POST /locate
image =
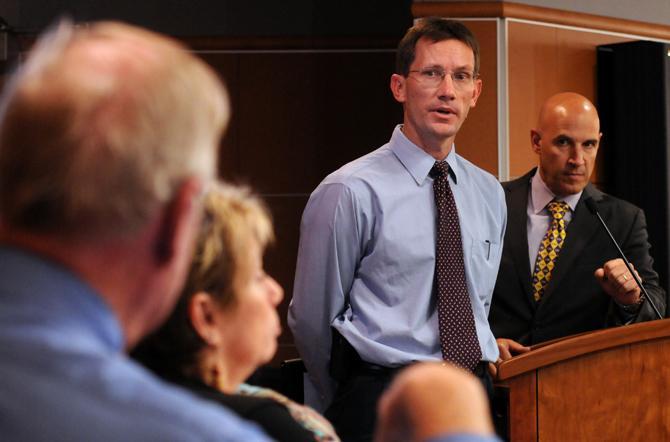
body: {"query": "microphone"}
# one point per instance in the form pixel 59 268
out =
pixel 594 210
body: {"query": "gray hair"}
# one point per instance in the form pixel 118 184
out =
pixel 99 127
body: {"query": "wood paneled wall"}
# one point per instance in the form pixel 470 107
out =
pixel 478 138
pixel 542 61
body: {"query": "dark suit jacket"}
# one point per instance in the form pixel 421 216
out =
pixel 573 301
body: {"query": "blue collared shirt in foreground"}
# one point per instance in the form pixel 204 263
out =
pixel 366 259
pixel 64 376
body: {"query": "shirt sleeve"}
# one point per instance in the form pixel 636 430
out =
pixel 496 256
pixel 328 256
pixel 502 214
pixel 636 248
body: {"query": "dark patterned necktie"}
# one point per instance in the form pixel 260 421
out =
pixel 458 335
pixel 549 248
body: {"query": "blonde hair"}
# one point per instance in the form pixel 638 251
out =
pixel 233 219
pixel 100 126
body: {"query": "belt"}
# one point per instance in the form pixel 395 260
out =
pixel 370 369
pixel 367 368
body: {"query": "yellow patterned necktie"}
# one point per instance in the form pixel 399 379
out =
pixel 549 248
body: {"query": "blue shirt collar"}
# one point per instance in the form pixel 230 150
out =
pixel 417 162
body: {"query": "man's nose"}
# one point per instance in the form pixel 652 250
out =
pixel 276 291
pixel 447 88
pixel 577 156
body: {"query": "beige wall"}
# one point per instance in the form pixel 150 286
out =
pixel 540 60
pixel 544 60
pixel 478 138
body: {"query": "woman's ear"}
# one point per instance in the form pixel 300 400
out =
pixel 203 312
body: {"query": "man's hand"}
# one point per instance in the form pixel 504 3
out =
pixel 616 281
pixel 508 348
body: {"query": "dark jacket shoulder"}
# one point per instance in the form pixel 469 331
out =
pixel 272 416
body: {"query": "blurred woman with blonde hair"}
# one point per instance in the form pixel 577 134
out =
pixel 225 324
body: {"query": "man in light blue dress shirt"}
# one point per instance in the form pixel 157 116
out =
pixel 108 134
pixel 364 281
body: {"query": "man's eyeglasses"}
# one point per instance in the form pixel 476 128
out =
pixel 433 77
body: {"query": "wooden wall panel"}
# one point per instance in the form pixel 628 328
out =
pixel 303 115
pixel 478 138
pixel 542 61
pixel 227 66
pixel 298 116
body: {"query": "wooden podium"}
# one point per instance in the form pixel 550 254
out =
pixel 608 385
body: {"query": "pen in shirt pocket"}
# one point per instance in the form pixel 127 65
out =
pixel 488 249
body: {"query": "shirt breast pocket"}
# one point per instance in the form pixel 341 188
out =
pixel 484 266
pixel 484 249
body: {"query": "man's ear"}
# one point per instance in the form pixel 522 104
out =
pixel 398 88
pixel 476 92
pixel 535 139
pixel 179 222
pixel 202 313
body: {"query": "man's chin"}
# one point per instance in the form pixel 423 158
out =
pixel 571 189
pixel 444 130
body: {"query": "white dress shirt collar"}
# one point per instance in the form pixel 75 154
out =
pixel 541 195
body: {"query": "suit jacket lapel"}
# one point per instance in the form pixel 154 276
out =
pixel 517 222
pixel 580 230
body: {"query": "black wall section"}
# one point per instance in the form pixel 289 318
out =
pixel 259 18
pixel 633 98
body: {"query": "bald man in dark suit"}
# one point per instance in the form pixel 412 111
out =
pixel 560 274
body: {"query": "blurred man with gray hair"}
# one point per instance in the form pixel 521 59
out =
pixel 108 135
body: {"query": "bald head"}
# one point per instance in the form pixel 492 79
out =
pixel 566 105
pixel 566 140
